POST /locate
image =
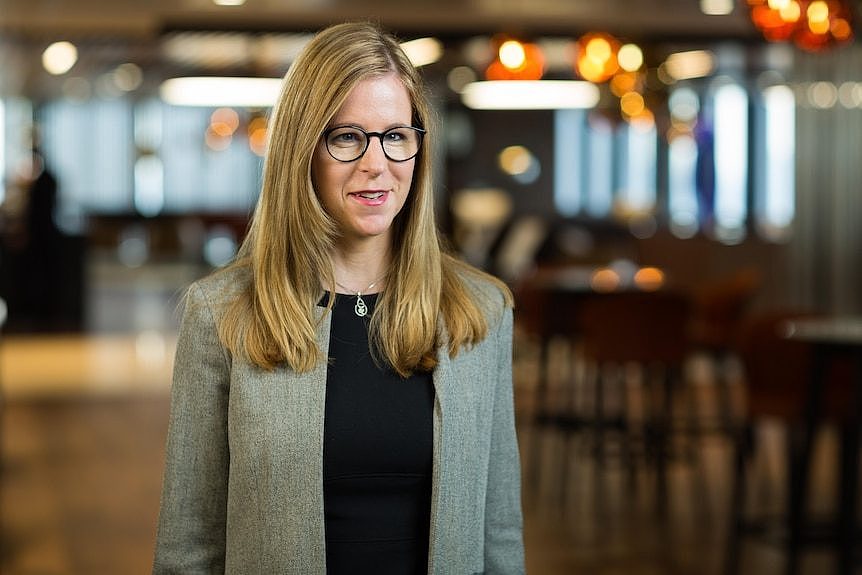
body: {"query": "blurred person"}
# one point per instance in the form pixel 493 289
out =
pixel 33 245
pixel 342 396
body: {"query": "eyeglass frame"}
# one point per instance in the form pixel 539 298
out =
pixel 368 135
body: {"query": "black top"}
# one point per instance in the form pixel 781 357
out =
pixel 377 455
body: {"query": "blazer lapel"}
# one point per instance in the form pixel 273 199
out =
pixel 443 388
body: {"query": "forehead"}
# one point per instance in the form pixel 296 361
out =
pixel 381 100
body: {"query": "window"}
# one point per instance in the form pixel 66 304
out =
pixel 775 203
pixel 637 167
pixel 568 165
pixel 599 168
pixel 730 129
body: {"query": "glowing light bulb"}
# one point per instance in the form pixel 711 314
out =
pixel 818 17
pixel 791 12
pixel 597 57
pixel 59 57
pixel 512 54
pixel 598 49
pixel 630 57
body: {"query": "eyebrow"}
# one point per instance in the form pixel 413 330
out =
pixel 358 125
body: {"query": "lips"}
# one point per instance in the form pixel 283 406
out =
pixel 370 197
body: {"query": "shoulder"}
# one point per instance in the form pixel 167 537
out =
pixel 488 292
pixel 220 288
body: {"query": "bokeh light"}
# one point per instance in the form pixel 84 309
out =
pixel 59 57
pixel 649 278
pixel 516 60
pixel 597 57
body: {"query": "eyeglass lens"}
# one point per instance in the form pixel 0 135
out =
pixel 349 143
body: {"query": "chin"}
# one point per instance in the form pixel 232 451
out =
pixel 373 229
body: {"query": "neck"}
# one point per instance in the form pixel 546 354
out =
pixel 357 268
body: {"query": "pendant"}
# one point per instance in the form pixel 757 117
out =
pixel 360 308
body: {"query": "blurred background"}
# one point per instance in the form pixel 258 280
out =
pixel 671 188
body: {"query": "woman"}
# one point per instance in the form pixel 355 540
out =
pixel 342 396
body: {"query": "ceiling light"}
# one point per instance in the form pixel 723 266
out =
pixel 530 95
pixel 59 57
pixel 220 91
pixel 630 57
pixel 687 65
pixel 423 51
pixel 516 60
pixel 512 54
pixel 597 56
pixel 228 2
pixel 716 7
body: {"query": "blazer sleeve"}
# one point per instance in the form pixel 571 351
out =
pixel 192 518
pixel 504 546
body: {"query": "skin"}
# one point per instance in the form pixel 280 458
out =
pixel 350 192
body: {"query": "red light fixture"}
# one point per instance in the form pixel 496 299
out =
pixel 814 25
pixel 777 21
pixel 516 60
pixel 827 24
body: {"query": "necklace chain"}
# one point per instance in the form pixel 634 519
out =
pixel 360 308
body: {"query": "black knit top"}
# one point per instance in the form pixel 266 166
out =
pixel 377 455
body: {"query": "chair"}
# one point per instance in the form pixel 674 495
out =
pixel 545 314
pixel 647 329
pixel 777 371
pixel 718 308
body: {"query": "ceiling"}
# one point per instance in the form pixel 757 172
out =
pixel 640 18
pixel 111 32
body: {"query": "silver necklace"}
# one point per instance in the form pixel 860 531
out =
pixel 360 308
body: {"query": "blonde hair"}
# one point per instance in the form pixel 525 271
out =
pixel 287 250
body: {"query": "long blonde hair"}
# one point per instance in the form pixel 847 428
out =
pixel 287 250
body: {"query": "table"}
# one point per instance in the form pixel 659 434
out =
pixel 613 327
pixel 831 338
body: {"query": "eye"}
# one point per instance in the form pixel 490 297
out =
pixel 397 135
pixel 345 137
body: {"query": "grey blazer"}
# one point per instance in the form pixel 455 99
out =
pixel 243 481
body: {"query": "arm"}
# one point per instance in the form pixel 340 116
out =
pixel 191 532
pixel 504 546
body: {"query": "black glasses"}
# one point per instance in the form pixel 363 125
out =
pixel 349 143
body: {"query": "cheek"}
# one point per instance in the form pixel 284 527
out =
pixel 405 175
pixel 406 178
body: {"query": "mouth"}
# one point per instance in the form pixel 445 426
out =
pixel 370 197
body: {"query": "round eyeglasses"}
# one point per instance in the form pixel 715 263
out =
pixel 349 143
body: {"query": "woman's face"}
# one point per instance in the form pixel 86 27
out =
pixel 364 196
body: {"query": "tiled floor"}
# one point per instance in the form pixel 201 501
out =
pixel 80 488
pixel 82 462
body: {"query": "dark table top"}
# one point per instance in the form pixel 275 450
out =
pixel 837 330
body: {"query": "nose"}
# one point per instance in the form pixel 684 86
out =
pixel 373 160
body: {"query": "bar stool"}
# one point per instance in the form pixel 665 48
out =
pixel 648 330
pixel 776 380
pixel 546 315
pixel 718 309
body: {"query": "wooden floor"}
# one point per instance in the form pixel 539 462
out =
pixel 83 430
